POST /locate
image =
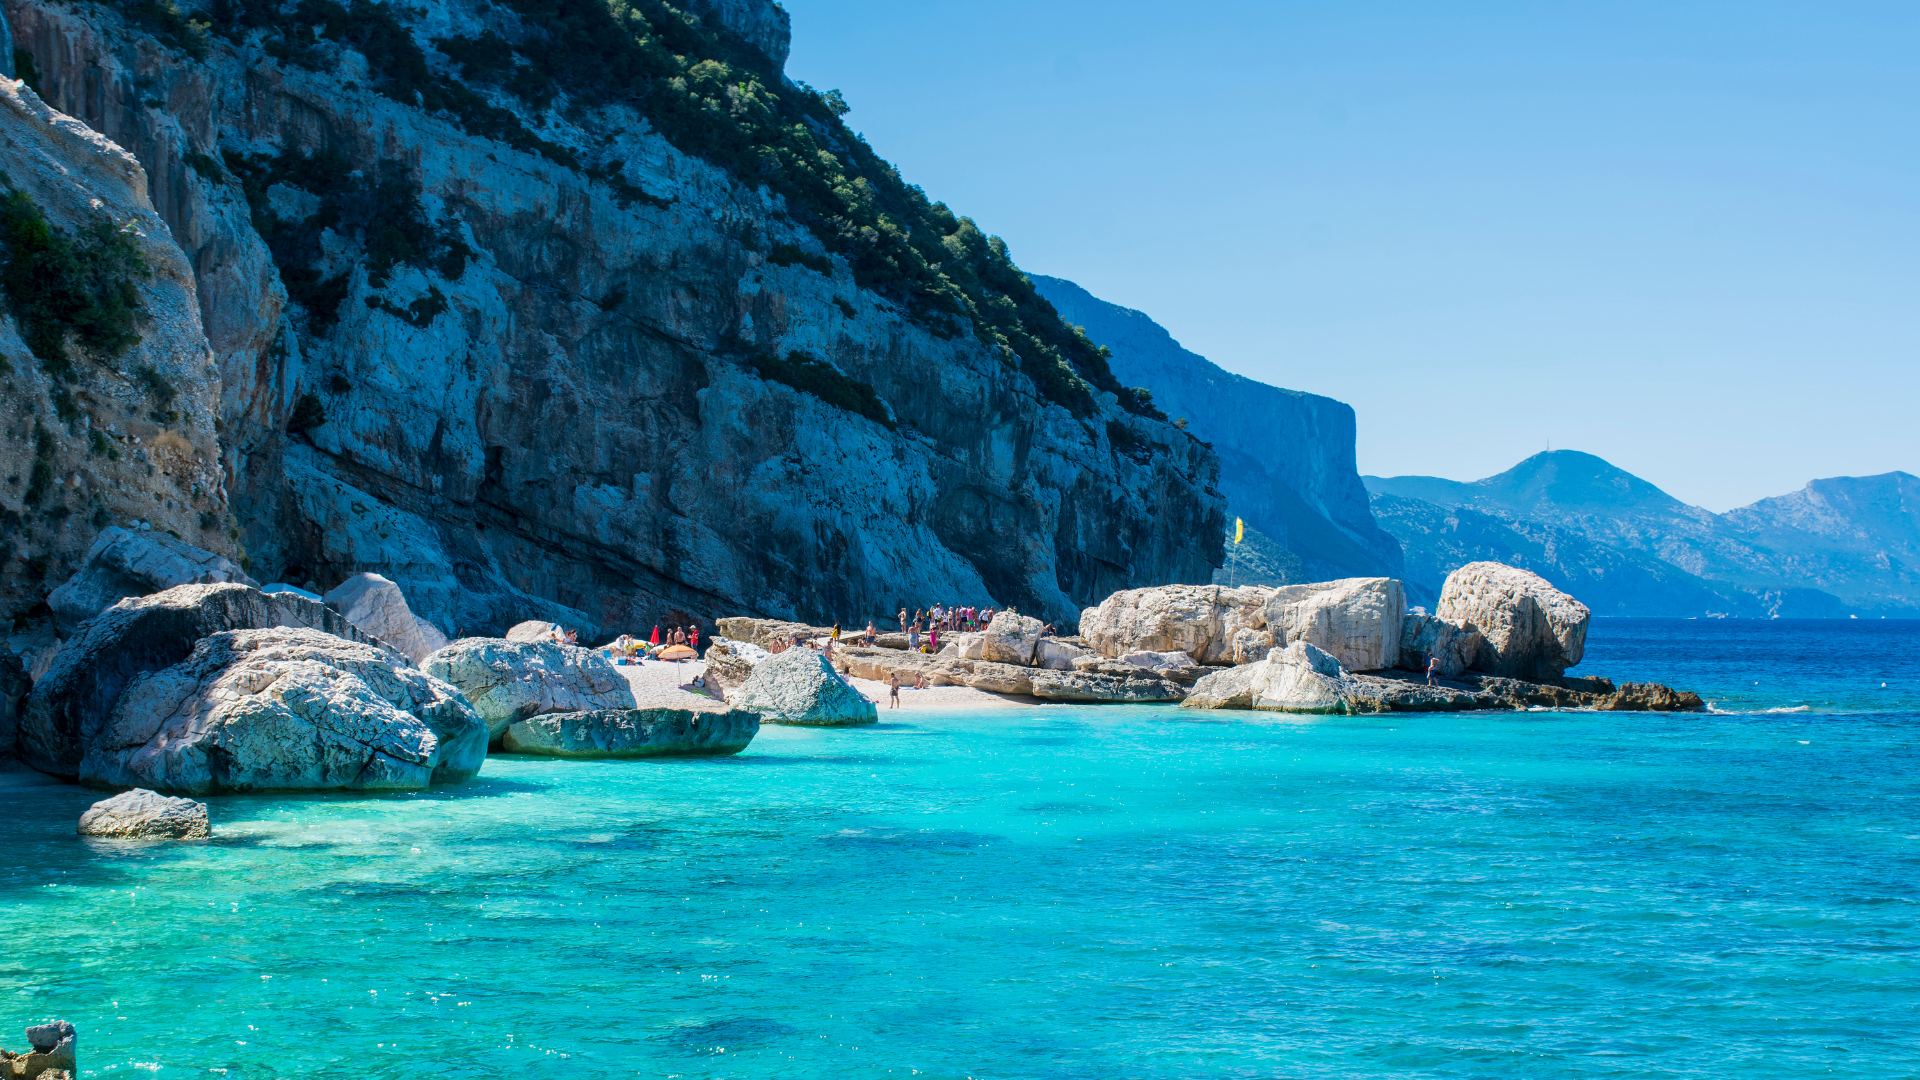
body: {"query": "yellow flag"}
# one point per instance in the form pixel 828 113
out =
pixel 1239 530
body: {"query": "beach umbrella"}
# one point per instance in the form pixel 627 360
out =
pixel 678 652
pixel 655 640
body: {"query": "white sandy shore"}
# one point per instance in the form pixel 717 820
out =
pixel 658 684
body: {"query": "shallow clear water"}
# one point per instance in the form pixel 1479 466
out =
pixel 1081 893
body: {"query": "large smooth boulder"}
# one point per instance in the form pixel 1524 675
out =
pixel 1357 620
pixel 123 563
pixel 1528 628
pixel 729 663
pixel 73 699
pixel 1203 621
pixel 286 709
pixel 799 686
pixel 1057 655
pixel 633 733
pixel 508 681
pixel 146 815
pixel 1300 678
pixel 1425 637
pixel 376 606
pixel 531 631
pixel 1011 638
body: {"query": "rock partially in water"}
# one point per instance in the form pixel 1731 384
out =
pixel 377 607
pixel 1354 620
pixel 1529 629
pixel 633 733
pixel 146 815
pixel 52 1056
pixel 73 700
pixel 123 563
pixel 508 681
pixel 1136 686
pixel 286 709
pixel 800 686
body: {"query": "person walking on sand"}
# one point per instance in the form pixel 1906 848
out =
pixel 893 688
pixel 1433 670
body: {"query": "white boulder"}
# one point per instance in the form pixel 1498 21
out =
pixel 1300 678
pixel 1425 637
pixel 799 686
pixel 1355 619
pixel 508 681
pixel 145 815
pixel 526 633
pixel 1528 628
pixel 376 606
pixel 123 563
pixel 286 709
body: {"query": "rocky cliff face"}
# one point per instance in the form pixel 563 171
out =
pixel 526 357
pixel 1286 457
pixel 106 380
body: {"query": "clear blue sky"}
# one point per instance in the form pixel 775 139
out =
pixel 1683 236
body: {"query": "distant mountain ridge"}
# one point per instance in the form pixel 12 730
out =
pixel 1849 545
pixel 1287 462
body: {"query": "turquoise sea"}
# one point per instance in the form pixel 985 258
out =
pixel 1121 892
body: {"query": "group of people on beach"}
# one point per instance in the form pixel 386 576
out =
pixel 630 648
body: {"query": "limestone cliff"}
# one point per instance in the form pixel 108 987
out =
pixel 1287 461
pixel 512 311
pixel 106 381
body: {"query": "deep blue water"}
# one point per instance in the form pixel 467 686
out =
pixel 1055 892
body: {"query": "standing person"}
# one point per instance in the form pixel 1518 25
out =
pixel 903 620
pixel 1433 670
pixel 693 638
pixel 873 633
pixel 893 688
pixel 913 636
pixel 933 638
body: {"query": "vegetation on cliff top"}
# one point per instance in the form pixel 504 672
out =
pixel 716 98
pixel 68 289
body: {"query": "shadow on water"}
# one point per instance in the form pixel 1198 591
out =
pixel 886 837
pixel 722 1036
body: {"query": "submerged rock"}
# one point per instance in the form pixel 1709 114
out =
pixel 73 700
pixel 146 815
pixel 800 686
pixel 123 563
pixel 376 606
pixel 286 709
pixel 508 681
pixel 1528 628
pixel 633 733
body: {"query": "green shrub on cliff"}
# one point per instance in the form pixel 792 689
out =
pixel 823 381
pixel 66 289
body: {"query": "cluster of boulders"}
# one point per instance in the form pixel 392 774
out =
pixel 50 1057
pixel 213 685
pixel 1501 638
